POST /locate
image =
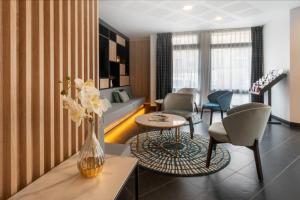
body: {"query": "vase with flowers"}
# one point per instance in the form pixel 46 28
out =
pixel 86 105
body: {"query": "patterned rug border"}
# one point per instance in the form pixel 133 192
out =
pixel 183 175
pixel 177 174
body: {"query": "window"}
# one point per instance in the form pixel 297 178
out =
pixel 231 62
pixel 185 61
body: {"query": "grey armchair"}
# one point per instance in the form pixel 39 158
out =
pixel 243 126
pixel 182 105
pixel 218 101
pixel 192 91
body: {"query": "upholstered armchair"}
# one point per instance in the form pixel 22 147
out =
pixel 192 91
pixel 182 105
pixel 218 101
pixel 243 126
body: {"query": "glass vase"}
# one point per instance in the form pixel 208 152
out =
pixel 91 156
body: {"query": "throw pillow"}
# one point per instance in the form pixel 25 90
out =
pixel 116 97
pixel 128 91
pixel 124 96
pixel 129 94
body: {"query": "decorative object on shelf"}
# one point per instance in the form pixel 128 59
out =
pixel 86 105
pixel 91 157
pixel 265 80
pixel 265 84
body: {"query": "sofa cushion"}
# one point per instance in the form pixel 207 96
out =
pixel 123 96
pixel 107 93
pixel 120 110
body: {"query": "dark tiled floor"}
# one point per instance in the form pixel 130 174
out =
pixel 280 150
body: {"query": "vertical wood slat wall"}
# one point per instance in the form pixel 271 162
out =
pixel 40 43
pixel 139 52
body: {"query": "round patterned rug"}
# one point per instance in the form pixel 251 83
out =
pixel 158 152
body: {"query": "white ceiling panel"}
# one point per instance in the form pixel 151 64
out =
pixel 237 7
pixel 139 18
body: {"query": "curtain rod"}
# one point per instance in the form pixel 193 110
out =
pixel 216 30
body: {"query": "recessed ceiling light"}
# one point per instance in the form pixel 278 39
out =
pixel 187 8
pixel 218 18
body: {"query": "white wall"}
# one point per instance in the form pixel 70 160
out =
pixel 295 65
pixel 277 56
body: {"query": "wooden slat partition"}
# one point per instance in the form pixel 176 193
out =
pixel 1 110
pixel 139 52
pixel 40 43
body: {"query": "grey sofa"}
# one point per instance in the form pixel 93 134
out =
pixel 119 110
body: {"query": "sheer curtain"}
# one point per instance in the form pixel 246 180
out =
pixel 191 62
pixel 185 61
pixel 231 62
pixel 213 60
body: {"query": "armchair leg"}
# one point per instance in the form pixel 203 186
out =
pixel 222 114
pixel 202 113
pixel 191 127
pixel 257 161
pixel 214 147
pixel 209 151
pixel 196 108
pixel 211 116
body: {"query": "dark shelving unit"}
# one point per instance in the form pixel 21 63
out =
pixel 114 57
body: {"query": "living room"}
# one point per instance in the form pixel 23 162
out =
pixel 130 99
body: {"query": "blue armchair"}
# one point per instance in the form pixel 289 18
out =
pixel 218 101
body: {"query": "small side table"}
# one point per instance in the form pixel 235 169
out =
pixel 159 103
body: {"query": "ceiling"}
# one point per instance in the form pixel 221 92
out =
pixel 140 18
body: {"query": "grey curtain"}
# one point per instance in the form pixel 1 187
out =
pixel 257 59
pixel 164 58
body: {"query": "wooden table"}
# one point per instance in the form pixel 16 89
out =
pixel 174 121
pixel 65 182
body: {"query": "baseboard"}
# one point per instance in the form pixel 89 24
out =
pixel 288 123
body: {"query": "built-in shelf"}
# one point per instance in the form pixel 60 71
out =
pixel 114 57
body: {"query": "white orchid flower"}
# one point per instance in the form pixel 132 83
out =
pixel 77 112
pixel 90 99
pixel 79 83
pixel 89 83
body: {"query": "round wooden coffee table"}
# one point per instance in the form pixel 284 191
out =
pixel 172 121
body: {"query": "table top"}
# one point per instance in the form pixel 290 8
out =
pixel 65 181
pixel 173 121
pixel 159 101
